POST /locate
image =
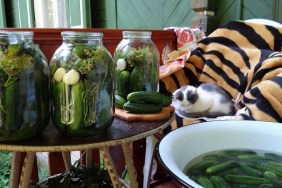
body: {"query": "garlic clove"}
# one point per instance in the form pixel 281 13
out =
pixel 59 74
pixel 71 77
pixel 121 64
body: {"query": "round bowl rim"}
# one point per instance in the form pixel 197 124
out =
pixel 182 129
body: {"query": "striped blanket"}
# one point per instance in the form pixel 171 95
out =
pixel 245 59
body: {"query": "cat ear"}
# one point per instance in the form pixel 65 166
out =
pixel 178 95
pixel 193 97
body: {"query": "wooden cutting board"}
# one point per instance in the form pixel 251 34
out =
pixel 164 114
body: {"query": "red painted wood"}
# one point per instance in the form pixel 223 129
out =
pixel 138 154
pixel 49 39
pixel 118 158
pixel 56 163
pixel 95 157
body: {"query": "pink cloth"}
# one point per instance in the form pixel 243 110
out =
pixel 186 42
pixel 174 64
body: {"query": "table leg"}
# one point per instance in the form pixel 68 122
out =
pixel 130 165
pixel 110 166
pixel 67 159
pixel 27 170
pixel 151 142
pixel 15 170
pixel 88 157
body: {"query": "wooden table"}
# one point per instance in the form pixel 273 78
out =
pixel 121 133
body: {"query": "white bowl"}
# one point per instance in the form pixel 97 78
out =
pixel 180 146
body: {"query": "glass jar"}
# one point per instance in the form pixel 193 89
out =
pixel 82 85
pixel 137 63
pixel 24 87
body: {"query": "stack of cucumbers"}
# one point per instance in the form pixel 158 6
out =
pixel 141 102
pixel 237 168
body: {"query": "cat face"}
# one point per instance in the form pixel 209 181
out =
pixel 185 97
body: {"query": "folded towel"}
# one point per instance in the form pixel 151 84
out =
pixel 187 39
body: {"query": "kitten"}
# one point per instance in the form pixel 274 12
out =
pixel 208 100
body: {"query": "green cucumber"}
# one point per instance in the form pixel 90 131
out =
pixel 273 178
pixel 57 95
pixel 151 97
pixel 79 50
pixel 136 80
pixel 219 182
pixel 238 152
pixel 253 157
pixel 266 167
pixel 274 164
pixel 250 171
pixel 274 156
pixel 139 108
pixel 12 102
pixel 3 78
pixel 205 182
pixel 42 94
pixel 68 106
pixel 167 100
pixel 119 101
pixel 117 75
pixel 266 186
pixel 245 179
pixel 123 83
pixel 203 165
pixel 77 108
pixel 222 167
pixel 103 110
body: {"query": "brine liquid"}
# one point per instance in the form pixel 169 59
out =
pixel 258 160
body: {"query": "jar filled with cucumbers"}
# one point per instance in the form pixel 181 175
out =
pixel 137 63
pixel 82 85
pixel 24 87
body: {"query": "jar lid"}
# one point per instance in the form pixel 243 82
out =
pixel 3 33
pixel 80 34
pixel 16 33
pixel 137 34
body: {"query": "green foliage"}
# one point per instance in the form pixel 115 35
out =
pixel 14 60
pixel 139 56
pixel 79 177
pixel 82 59
pixel 43 173
pixel 5 167
pixel 94 55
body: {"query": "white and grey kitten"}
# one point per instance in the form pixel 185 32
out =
pixel 207 100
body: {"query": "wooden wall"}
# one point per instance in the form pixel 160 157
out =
pixel 158 14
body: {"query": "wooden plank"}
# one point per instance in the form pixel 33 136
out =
pixel 2 14
pixel 25 13
pixel 157 14
pixel 279 13
pixel 79 13
pixel 259 9
pixel 169 7
pixel 111 13
pixel 180 16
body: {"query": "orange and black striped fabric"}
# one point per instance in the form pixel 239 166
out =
pixel 245 59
